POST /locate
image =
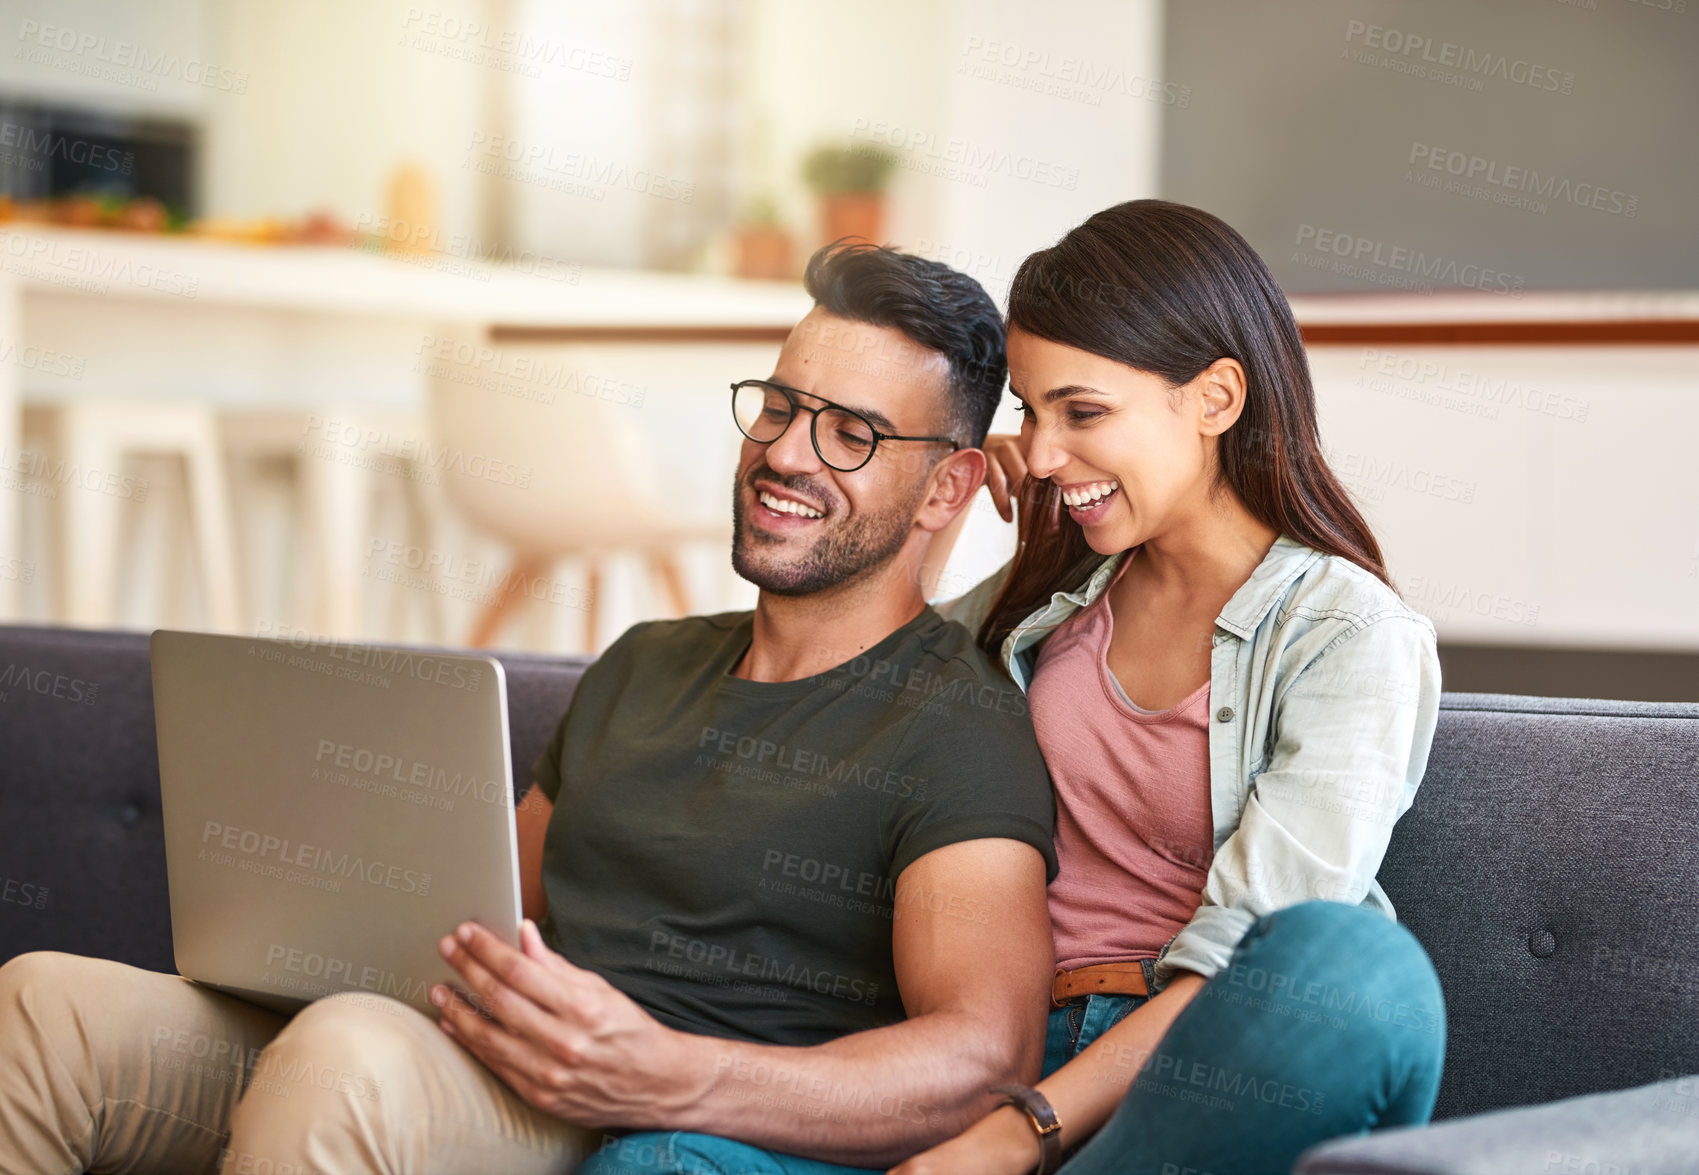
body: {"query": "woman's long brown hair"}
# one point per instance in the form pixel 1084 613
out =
pixel 1169 289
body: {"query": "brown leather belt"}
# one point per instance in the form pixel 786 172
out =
pixel 1103 979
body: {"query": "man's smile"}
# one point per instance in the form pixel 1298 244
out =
pixel 777 508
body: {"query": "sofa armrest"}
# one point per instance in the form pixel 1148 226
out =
pixel 1648 1130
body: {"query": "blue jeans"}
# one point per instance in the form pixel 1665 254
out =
pixel 1327 1020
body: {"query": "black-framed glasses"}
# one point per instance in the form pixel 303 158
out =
pixel 843 438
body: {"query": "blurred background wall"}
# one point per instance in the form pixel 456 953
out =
pixel 1549 141
pixel 546 217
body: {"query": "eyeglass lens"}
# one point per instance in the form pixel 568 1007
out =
pixel 843 439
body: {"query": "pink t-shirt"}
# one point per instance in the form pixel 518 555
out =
pixel 1134 829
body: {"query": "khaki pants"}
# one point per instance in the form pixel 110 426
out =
pixel 105 1067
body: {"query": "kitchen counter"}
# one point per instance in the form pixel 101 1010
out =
pixel 1523 459
pixel 326 279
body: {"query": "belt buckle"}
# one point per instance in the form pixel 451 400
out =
pixel 1055 983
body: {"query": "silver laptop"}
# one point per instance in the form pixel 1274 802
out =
pixel 331 810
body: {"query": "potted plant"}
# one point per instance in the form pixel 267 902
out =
pixel 764 247
pixel 850 182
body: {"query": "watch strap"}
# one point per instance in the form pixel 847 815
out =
pixel 1038 1109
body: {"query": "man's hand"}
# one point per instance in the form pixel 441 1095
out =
pixel 1001 1143
pixel 565 1039
pixel 970 943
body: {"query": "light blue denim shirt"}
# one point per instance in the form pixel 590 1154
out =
pixel 1323 695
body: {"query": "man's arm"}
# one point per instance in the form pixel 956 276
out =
pixel 971 940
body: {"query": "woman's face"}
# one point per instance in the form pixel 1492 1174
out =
pixel 1131 455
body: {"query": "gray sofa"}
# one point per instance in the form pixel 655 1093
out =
pixel 1550 866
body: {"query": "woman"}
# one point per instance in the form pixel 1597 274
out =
pixel 1235 706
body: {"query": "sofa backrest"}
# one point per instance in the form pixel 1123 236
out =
pixel 1550 864
pixel 82 853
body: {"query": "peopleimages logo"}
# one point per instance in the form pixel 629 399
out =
pixel 1481 388
pixel 49 684
pixel 267 855
pixel 333 972
pixel 419 459
pixel 23 893
pixel 378 659
pixel 953 157
pixel 1354 255
pixel 47 145
pixel 529 377
pixel 1515 178
pixel 42 360
pixel 807 764
pixel 400 769
pixel 1064 76
pixel 513 50
pixel 111 60
pixel 1424 57
pixel 571 172
pixel 86 267
pixel 766 968
pixel 416 235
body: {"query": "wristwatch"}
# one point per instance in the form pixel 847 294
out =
pixel 1037 1108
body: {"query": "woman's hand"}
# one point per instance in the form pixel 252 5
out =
pixel 1005 470
pixel 1001 1143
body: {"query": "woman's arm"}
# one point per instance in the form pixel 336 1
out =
pixel 1086 1090
pixel 1084 1093
pixel 1005 469
pixel 1348 746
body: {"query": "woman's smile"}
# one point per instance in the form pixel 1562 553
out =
pixel 1090 501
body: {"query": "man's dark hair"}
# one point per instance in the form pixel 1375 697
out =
pixel 933 306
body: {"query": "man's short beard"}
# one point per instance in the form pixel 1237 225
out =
pixel 864 542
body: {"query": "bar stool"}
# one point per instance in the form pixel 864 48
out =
pixel 85 443
pixel 591 451
pixel 631 452
pixel 339 454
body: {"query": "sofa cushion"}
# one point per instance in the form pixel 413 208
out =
pixel 1649 1130
pixel 82 853
pixel 1549 866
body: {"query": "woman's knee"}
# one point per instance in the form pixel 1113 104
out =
pixel 1341 963
pixel 1352 938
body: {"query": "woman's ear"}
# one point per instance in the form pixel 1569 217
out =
pixel 1221 392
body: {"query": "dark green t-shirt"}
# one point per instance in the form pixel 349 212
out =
pixel 726 851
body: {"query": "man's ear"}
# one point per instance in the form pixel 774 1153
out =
pixel 951 487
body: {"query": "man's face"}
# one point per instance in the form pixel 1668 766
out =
pixel 798 525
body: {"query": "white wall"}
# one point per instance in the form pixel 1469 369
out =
pixel 313 103
pixel 1002 159
pixel 915 77
pixel 1526 495
pixel 339 96
pixel 89 69
pixel 588 123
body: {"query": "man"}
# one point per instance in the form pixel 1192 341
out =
pixel 790 908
